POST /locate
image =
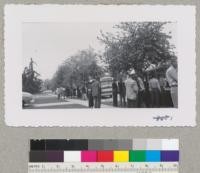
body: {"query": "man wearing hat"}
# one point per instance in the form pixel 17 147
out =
pixel 89 94
pixel 172 78
pixel 131 89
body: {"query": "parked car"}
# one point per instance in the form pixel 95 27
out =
pixel 47 92
pixel 27 99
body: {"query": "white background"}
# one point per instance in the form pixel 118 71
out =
pixel 15 15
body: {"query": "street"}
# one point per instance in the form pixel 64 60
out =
pixel 50 101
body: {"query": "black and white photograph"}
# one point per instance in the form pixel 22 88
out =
pixel 101 65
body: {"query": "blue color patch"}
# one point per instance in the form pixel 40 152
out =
pixel 153 156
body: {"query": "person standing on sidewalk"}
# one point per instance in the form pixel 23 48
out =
pixel 89 94
pixel 84 96
pixel 131 90
pixel 99 93
pixel 96 93
pixel 141 92
pixel 114 93
pixel 172 78
pixel 122 92
pixel 154 88
pixel 163 83
pixel 59 93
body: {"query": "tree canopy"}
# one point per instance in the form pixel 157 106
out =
pixel 77 69
pixel 136 45
pixel 30 79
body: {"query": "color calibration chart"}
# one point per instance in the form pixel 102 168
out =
pixel 104 155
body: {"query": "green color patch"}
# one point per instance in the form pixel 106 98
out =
pixel 137 156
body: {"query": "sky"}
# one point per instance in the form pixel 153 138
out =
pixel 49 44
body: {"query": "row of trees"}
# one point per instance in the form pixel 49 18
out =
pixel 77 69
pixel 135 45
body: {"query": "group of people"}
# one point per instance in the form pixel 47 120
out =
pixel 91 92
pixel 71 92
pixel 135 91
pixel 156 91
pixel 131 91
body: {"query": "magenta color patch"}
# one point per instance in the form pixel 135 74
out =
pixel 88 156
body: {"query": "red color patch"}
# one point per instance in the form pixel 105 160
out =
pixel 105 156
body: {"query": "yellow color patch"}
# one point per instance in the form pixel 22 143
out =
pixel 121 156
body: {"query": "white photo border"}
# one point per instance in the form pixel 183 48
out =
pixel 184 115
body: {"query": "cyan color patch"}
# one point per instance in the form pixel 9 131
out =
pixel 153 156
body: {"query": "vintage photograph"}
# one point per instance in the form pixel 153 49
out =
pixel 100 65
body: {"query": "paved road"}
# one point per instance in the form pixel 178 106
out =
pixel 50 101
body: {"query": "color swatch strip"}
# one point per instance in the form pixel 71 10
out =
pixel 104 150
pixel 105 156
